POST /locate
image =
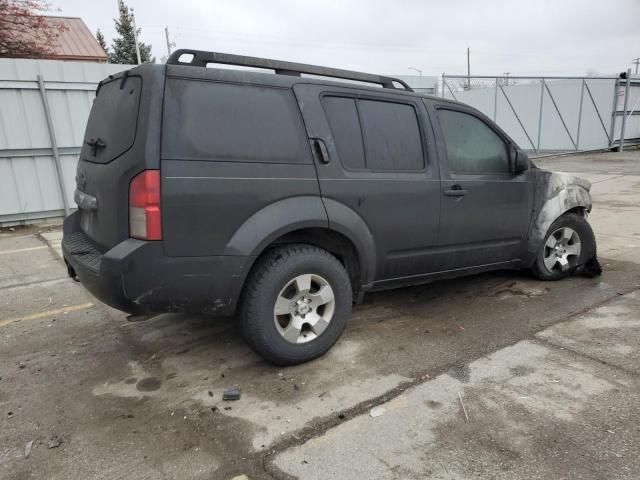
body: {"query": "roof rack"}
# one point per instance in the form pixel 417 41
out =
pixel 202 59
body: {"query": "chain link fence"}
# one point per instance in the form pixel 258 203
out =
pixel 547 115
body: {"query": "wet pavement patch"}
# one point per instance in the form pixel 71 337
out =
pixel 149 384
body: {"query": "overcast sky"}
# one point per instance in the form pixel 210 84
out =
pixel 562 37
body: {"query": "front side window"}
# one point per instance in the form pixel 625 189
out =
pixel 472 147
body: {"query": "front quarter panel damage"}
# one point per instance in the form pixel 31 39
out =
pixel 556 193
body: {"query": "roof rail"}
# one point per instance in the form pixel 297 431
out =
pixel 202 59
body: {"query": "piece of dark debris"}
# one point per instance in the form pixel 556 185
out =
pixel 231 394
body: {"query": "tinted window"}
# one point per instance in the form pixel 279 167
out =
pixel 230 122
pixel 472 147
pixel 391 135
pixel 345 129
pixel 113 120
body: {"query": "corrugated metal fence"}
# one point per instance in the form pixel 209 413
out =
pixel 44 107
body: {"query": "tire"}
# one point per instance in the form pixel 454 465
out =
pixel 565 263
pixel 281 322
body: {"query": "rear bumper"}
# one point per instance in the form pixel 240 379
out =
pixel 136 277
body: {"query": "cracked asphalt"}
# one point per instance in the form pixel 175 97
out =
pixel 547 374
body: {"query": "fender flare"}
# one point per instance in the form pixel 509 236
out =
pixel 346 221
pixel 273 221
pixel 295 213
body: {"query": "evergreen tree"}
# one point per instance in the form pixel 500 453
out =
pixel 123 48
pixel 101 41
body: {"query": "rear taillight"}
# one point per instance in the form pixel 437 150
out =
pixel 144 206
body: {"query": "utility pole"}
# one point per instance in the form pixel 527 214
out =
pixel 169 44
pixel 468 70
pixel 636 61
pixel 135 36
pixel 506 74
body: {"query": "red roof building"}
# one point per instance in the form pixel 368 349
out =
pixel 76 42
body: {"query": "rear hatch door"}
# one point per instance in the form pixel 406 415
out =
pixel 119 142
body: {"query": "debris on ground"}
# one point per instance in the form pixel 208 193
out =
pixel 55 441
pixel 591 269
pixel 231 394
pixel 517 289
pixel 27 449
pixel 377 411
pixel 464 410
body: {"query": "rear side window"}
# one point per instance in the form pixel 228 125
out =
pixel 345 128
pixel 232 122
pixel 391 135
pixel 375 135
pixel 472 147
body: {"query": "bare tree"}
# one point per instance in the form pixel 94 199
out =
pixel 25 31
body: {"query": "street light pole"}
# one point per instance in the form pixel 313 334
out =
pixel 135 36
pixel 468 69
pixel 416 69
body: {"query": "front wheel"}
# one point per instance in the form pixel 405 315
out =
pixel 567 247
pixel 296 304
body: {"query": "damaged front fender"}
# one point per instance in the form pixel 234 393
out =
pixel 556 193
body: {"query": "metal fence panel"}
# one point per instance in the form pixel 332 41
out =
pixel 29 185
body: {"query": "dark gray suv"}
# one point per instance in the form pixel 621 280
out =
pixel 284 198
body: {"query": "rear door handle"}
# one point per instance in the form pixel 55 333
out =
pixel 455 191
pixel 320 150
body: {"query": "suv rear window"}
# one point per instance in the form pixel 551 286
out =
pixel 375 135
pixel 113 120
pixel 232 122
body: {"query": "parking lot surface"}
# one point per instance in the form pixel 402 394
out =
pixel 492 376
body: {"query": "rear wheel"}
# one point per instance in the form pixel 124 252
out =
pixel 568 245
pixel 296 304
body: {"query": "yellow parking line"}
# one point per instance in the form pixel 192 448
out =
pixel 47 313
pixel 8 252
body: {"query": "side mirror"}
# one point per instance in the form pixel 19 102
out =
pixel 519 160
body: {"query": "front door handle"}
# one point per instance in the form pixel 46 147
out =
pixel 455 191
